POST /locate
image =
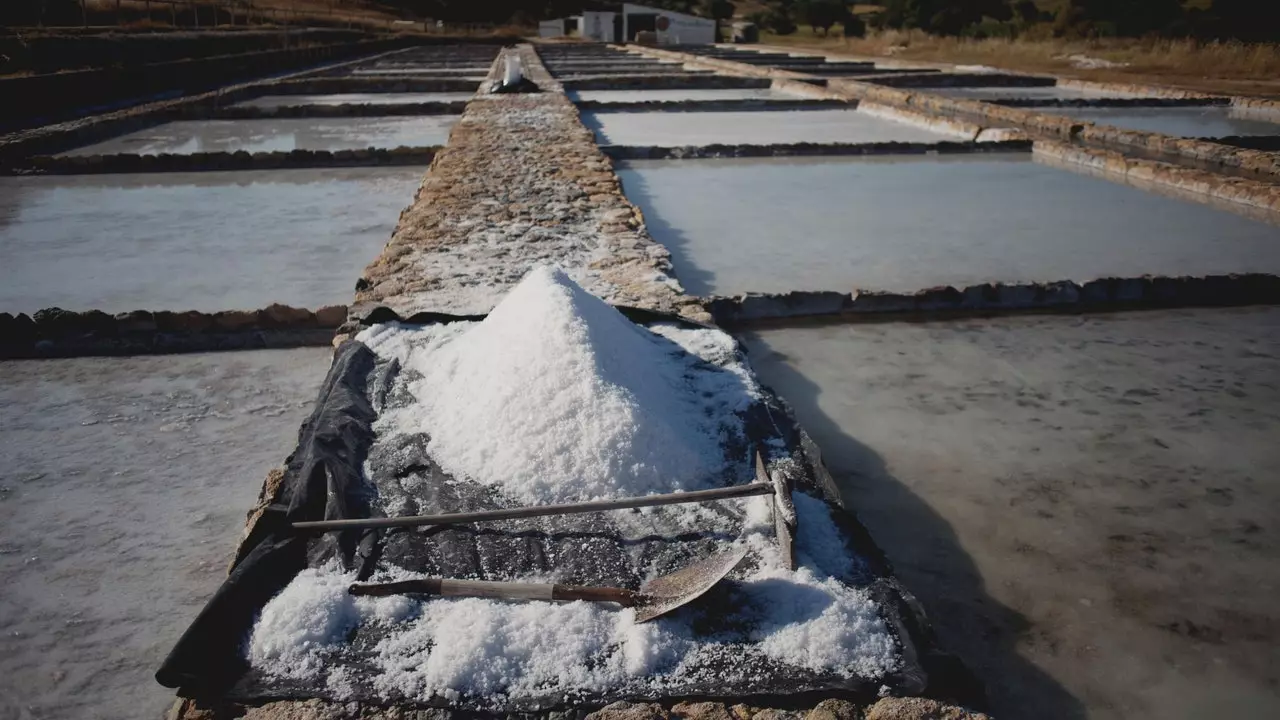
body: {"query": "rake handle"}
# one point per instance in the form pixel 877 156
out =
pixel 734 491
pixel 500 590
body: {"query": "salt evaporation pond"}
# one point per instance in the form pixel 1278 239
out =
pixel 195 241
pixel 907 223
pixel 1086 506
pixel 274 101
pixel 125 483
pixel 1213 121
pixel 279 135
pixel 755 128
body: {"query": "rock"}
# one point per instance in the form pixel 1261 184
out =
pixel 136 322
pixel 299 710
pixel 742 712
pixel 774 714
pixel 234 320
pixel 833 708
pixel 331 316
pixel 1098 292
pixel 939 298
pixel 284 316
pixel 919 709
pixel 1060 293
pixel 56 322
pixel 701 711
pixel 1018 296
pixel 878 302
pixel 1133 290
pixel 191 322
pixel 980 296
pixel 629 711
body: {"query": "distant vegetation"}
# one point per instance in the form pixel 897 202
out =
pixel 1247 20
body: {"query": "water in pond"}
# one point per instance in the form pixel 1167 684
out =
pixel 1179 121
pixel 272 101
pixel 756 128
pixel 898 223
pixel 200 241
pixel 279 134
pixel 1086 506
pixel 124 484
pixel 675 95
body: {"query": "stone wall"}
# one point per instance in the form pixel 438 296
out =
pixel 54 332
pixel 659 152
pixel 1206 184
pixel 1102 295
pixel 204 161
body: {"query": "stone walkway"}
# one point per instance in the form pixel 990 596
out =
pixel 520 183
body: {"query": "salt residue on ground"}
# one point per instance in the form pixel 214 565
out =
pixel 556 397
pixel 474 647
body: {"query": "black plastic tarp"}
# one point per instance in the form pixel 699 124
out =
pixel 341 469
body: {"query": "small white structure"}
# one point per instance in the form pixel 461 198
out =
pixel 597 26
pixel 551 28
pixel 672 28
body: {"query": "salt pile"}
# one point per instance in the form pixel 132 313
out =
pixel 556 397
pixel 482 648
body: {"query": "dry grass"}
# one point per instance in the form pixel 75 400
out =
pixel 1219 67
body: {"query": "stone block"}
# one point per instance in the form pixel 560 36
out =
pixel 1060 294
pixel 834 709
pixel 56 322
pixel 234 320
pixel 285 316
pixel 331 316
pixel 701 711
pixel 939 298
pixel 919 709
pixel 1018 296
pixel 629 711
pixel 136 322
pixel 880 302
pixel 190 322
pixel 980 296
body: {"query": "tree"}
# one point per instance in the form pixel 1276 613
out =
pixel 821 13
pixel 1129 18
pixel 779 20
pixel 853 25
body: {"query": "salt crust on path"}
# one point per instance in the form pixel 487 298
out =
pixel 582 403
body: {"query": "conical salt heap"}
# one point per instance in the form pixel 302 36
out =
pixel 557 396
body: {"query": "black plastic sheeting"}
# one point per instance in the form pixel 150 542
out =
pixel 326 479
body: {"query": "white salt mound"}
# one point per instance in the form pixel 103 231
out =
pixel 556 396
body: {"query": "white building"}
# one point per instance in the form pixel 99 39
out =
pixel 620 23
